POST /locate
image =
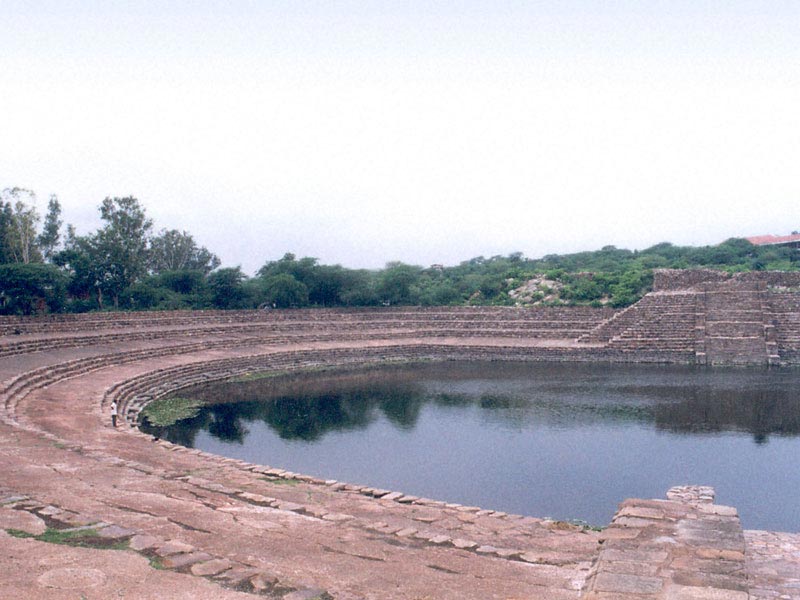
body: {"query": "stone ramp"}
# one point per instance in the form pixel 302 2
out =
pixel 682 548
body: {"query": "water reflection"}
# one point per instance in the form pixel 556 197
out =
pixel 677 400
pixel 532 433
pixel 300 409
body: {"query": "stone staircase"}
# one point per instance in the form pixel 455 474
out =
pixel 730 322
pixel 682 548
pixel 661 322
pixel 784 327
pixel 736 328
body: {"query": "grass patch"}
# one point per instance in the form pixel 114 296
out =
pixel 290 482
pixel 18 533
pixel 168 411
pixel 156 562
pixel 257 375
pixel 584 525
pixel 84 538
pixel 71 538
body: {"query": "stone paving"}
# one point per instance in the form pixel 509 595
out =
pixel 190 524
pixel 684 547
pixel 773 565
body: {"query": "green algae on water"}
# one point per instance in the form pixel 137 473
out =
pixel 168 411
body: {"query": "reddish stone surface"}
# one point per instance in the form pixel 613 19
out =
pixel 59 454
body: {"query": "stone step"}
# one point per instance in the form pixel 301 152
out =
pixel 682 547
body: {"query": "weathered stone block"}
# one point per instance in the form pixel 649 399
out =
pixel 439 540
pixel 308 594
pixel 143 542
pixel 627 584
pixel 408 531
pixel 718 509
pixel 173 547
pixel 178 561
pixel 115 532
pixel 211 567
pixel 679 592
pixel 643 512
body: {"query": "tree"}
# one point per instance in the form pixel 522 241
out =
pixel 50 236
pixel 81 259
pixel 120 247
pixel 227 290
pixel 284 291
pixel 183 282
pixel 6 232
pixel 28 289
pixel 175 250
pixel 303 270
pixel 358 288
pixel 20 220
pixel 394 284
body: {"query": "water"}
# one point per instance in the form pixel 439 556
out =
pixel 568 441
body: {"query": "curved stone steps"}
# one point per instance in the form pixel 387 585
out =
pixel 557 579
pixel 344 537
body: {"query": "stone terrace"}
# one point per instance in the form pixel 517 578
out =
pixel 662 322
pixel 707 318
pixel 222 528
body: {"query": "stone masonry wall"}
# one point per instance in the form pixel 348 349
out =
pixel 680 279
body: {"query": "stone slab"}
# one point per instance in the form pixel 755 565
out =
pixel 211 567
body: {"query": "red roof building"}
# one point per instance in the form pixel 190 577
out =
pixel 775 240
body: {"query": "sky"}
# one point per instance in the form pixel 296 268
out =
pixel 421 131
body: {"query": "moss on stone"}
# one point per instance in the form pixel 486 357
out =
pixel 84 538
pixel 168 411
pixel 289 482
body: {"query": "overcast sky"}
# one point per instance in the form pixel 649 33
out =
pixel 427 132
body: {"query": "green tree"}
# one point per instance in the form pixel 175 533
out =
pixel 20 224
pixel 396 281
pixel 284 291
pixel 358 288
pixel 51 230
pixel 227 288
pixel 437 292
pixel 29 289
pixel 6 232
pixel 83 261
pixel 303 270
pixel 183 282
pixel 175 250
pixel 120 247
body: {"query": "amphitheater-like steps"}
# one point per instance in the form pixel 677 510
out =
pixel 579 317
pixel 660 312
pixel 549 560
pixel 300 326
pixel 308 533
pixel 659 322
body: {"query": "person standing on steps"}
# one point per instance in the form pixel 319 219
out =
pixel 114 413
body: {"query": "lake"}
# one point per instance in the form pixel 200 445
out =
pixel 567 441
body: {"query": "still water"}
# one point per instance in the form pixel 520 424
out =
pixel 568 441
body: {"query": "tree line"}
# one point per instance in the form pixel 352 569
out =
pixel 126 265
